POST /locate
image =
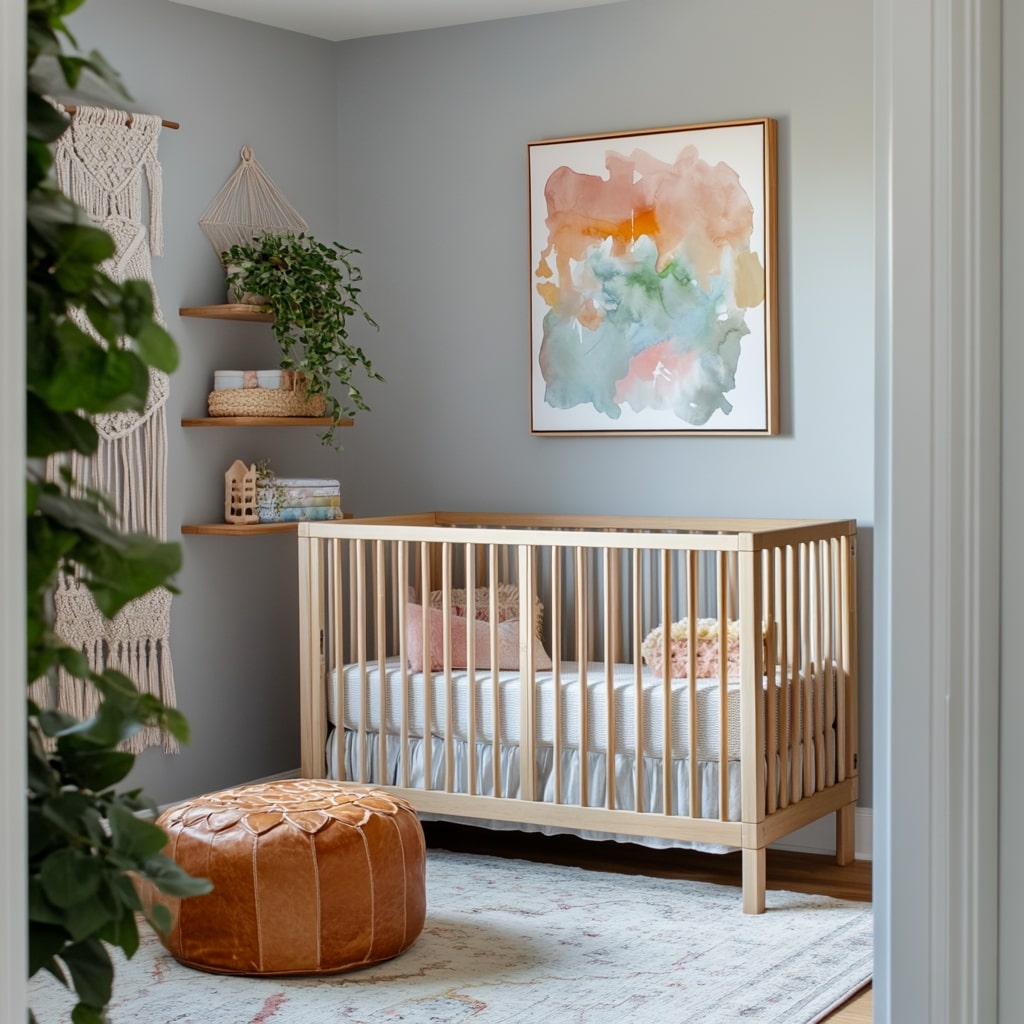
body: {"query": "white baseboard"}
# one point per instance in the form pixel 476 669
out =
pixel 820 836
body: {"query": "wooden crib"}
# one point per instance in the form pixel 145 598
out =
pixel 730 726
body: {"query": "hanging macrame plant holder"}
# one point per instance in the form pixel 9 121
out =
pixel 100 162
pixel 249 205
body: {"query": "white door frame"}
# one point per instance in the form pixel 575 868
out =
pixel 937 137
pixel 14 962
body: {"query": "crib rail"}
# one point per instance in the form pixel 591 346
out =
pixel 758 744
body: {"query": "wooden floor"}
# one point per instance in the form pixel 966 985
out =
pixel 796 872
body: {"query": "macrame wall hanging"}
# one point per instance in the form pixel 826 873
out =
pixel 248 205
pixel 100 162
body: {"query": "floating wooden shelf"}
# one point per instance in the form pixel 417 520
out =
pixel 245 529
pixel 264 421
pixel 229 311
pixel 238 529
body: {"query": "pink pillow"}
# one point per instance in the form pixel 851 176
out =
pixel 508 642
pixel 507 599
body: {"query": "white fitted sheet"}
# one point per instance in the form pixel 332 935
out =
pixel 652 703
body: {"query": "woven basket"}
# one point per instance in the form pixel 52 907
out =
pixel 265 402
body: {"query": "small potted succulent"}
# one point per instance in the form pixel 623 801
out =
pixel 312 289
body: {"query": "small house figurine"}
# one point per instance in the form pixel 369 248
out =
pixel 240 505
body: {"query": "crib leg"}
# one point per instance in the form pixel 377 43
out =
pixel 755 880
pixel 845 818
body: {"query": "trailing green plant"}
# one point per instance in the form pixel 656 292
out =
pixel 267 487
pixel 312 289
pixel 86 839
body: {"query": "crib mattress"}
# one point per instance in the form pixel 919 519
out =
pixel 623 723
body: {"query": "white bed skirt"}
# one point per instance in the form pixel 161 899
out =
pixel 707 772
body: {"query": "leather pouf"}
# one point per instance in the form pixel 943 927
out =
pixel 310 877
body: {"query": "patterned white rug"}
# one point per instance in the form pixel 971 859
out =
pixel 510 941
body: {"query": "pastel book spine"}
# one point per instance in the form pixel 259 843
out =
pixel 290 514
pixel 310 492
pixel 327 501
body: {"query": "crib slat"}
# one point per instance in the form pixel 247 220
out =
pixel 610 604
pixel 470 572
pixel 818 667
pixel 333 565
pixel 558 734
pixel 379 648
pixel 752 703
pixel 806 695
pixel 848 618
pixel 786 674
pixel 361 655
pixel 723 687
pixel 691 681
pixel 582 656
pixel 666 682
pixel 448 726
pixel 771 700
pixel 426 554
pixel 845 713
pixel 829 655
pixel 492 583
pixel 402 596
pixel 527 691
pixel 313 702
pixel 638 684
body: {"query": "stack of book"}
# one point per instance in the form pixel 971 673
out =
pixel 292 500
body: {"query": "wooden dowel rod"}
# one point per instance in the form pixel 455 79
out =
pixel 72 109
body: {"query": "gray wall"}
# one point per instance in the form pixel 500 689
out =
pixel 434 130
pixel 234 628
pixel 414 147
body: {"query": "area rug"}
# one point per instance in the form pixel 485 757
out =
pixel 518 942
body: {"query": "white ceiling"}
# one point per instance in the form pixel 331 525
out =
pixel 354 19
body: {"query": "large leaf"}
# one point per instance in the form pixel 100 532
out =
pixel 70 876
pixel 133 837
pixel 169 878
pixel 157 347
pixel 49 431
pixel 44 943
pixel 91 972
pixel 118 568
pixel 100 769
pixel 87 376
pixel 89 917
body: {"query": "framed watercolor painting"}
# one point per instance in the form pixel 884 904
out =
pixel 653 281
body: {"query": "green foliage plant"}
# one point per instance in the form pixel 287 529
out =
pixel 312 288
pixel 86 840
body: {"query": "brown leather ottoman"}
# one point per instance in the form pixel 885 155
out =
pixel 310 877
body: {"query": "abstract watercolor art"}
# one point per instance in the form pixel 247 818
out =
pixel 653 285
